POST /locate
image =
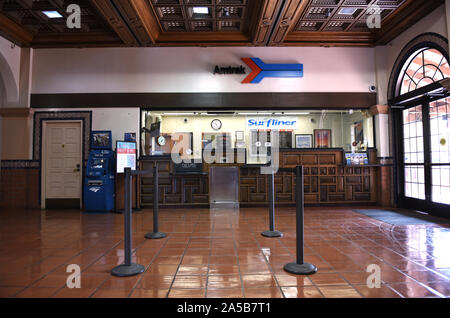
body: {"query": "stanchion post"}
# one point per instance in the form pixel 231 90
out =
pixel 128 268
pixel 300 267
pixel 155 234
pixel 271 194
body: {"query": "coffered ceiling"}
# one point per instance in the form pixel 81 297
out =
pixel 142 23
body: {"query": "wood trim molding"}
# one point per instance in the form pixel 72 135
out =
pixel 100 39
pixel 16 112
pixel 202 39
pixel 14 32
pixel 207 101
pixel 329 39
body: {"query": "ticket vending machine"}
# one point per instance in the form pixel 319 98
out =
pixel 100 173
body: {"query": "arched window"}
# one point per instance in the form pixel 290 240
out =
pixel 423 61
pixel 422 124
pixel 424 67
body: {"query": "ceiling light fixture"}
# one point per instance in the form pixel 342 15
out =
pixel 200 10
pixel 348 11
pixel 52 14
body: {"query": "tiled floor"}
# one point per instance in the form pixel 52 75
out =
pixel 220 253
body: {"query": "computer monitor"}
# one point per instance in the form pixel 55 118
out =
pixel 101 140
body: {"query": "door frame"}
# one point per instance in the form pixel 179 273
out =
pixel 426 205
pixel 43 156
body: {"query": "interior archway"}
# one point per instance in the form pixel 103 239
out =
pixel 10 91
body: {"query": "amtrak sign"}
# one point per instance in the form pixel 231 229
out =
pixel 271 123
pixel 261 70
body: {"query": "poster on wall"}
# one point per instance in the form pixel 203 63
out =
pixel 303 141
pixel 359 133
pixel 125 156
pixel 322 138
pixel 130 136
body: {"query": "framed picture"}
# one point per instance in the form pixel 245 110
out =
pixel 322 138
pixel 130 137
pixel 303 141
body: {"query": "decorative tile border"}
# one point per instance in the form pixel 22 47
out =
pixel 39 117
pixel 20 164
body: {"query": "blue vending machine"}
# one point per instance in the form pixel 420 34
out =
pixel 99 183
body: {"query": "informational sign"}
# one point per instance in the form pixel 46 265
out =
pixel 271 123
pixel 125 156
pixel 260 70
pixel 356 159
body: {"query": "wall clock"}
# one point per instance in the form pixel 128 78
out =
pixel 161 140
pixel 216 124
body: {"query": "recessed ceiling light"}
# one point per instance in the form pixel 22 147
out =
pixel 201 10
pixel 52 14
pixel 348 11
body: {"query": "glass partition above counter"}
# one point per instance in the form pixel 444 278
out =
pixel 191 134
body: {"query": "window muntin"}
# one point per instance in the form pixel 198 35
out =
pixel 424 67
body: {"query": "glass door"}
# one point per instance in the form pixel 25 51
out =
pixel 440 150
pixel 414 155
pixel 425 157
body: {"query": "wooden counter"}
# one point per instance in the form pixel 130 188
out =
pixel 327 181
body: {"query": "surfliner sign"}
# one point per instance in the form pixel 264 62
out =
pixel 272 123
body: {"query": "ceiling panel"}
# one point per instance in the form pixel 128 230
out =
pixel 209 22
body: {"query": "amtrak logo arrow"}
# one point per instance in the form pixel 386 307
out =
pixel 261 70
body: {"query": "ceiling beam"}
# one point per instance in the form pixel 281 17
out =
pixel 115 21
pixel 14 32
pixel 137 14
pixel 292 11
pixel 406 15
pixel 146 23
pixel 262 27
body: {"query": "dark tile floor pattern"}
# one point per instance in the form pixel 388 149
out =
pixel 220 253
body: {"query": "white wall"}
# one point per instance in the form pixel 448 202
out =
pixel 118 120
pixel 191 70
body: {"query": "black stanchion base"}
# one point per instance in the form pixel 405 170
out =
pixel 127 270
pixel 300 269
pixel 155 236
pixel 272 234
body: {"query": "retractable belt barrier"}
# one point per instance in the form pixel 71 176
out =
pixel 299 267
pixel 271 232
pixel 129 268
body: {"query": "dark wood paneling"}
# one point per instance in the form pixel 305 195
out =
pixel 180 190
pixel 206 101
pixel 326 182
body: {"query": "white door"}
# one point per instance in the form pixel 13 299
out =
pixel 62 160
